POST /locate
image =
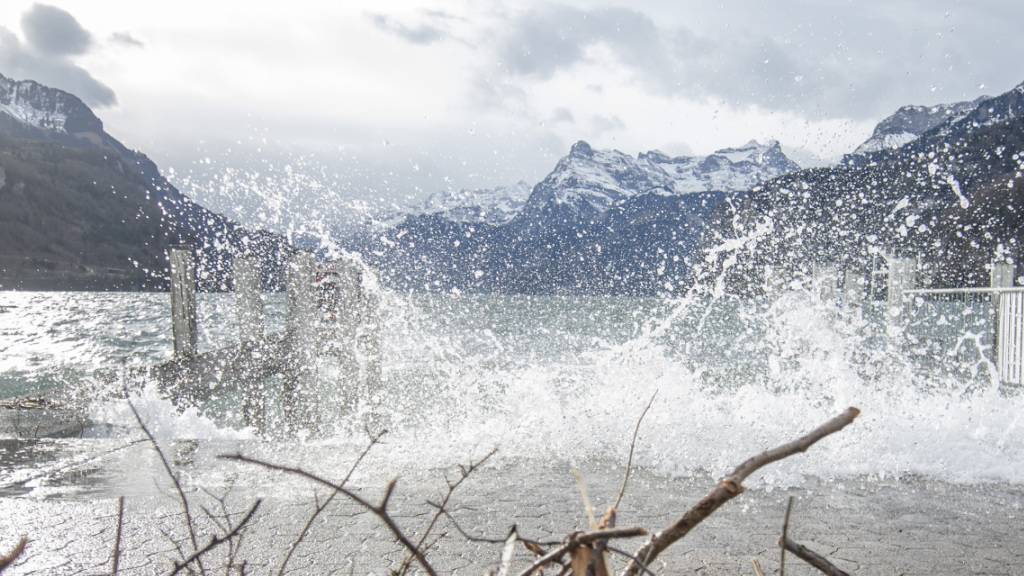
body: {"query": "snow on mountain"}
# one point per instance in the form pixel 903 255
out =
pixel 488 205
pixel 45 108
pixel 591 181
pixel 909 122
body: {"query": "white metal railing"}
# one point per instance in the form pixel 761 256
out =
pixel 1010 336
pixel 997 311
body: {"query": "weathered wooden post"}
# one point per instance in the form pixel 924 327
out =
pixel 346 309
pixel 248 364
pixel 902 276
pixel 369 340
pixel 248 299
pixel 183 302
pixel 826 280
pixel 854 286
pixel 301 335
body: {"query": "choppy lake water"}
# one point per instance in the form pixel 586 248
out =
pixel 563 378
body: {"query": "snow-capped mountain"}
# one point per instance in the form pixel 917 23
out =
pixel 38 106
pixel 909 122
pixel 591 181
pixel 494 206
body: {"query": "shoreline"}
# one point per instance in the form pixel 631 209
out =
pixel 914 525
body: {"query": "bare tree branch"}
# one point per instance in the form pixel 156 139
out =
pixel 632 447
pixel 380 511
pixel 217 541
pixel 732 486
pixel 464 472
pixel 319 507
pixel 177 484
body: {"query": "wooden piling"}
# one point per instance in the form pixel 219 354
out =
pixel 249 373
pixel 183 302
pixel 248 299
pixel 854 286
pixel 301 333
pixel 826 280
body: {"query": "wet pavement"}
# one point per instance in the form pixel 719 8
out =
pixel 63 495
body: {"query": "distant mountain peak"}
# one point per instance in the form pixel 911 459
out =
pixel 45 108
pixel 494 206
pixel 908 122
pixel 582 149
pixel 590 181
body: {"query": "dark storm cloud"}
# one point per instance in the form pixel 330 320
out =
pixel 52 38
pixel 50 30
pixel 820 59
pixel 421 33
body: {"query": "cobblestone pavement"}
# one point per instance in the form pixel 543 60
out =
pixel 67 506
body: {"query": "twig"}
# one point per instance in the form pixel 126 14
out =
pixel 530 544
pixel 758 571
pixel 732 486
pixel 177 484
pixel 378 510
pixel 628 556
pixel 464 472
pixel 7 559
pixel 811 557
pixel 632 447
pixel 785 535
pixel 217 541
pixel 320 507
pixel 117 537
pixel 582 539
pixel 803 552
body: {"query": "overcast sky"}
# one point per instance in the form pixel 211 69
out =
pixel 399 99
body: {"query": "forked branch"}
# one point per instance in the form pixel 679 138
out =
pixel 730 487
pixel 378 510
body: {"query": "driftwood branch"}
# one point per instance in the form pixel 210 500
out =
pixel 189 523
pixel 730 487
pixel 811 557
pixel 8 559
pixel 804 553
pixel 216 541
pixel 785 535
pixel 380 511
pixel 581 539
pixel 116 561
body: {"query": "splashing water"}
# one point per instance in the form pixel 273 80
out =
pixel 564 378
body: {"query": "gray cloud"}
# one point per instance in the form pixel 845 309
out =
pixel 421 33
pixel 52 31
pixel 562 114
pixel 126 39
pixel 45 58
pixel 602 124
pixel 831 59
